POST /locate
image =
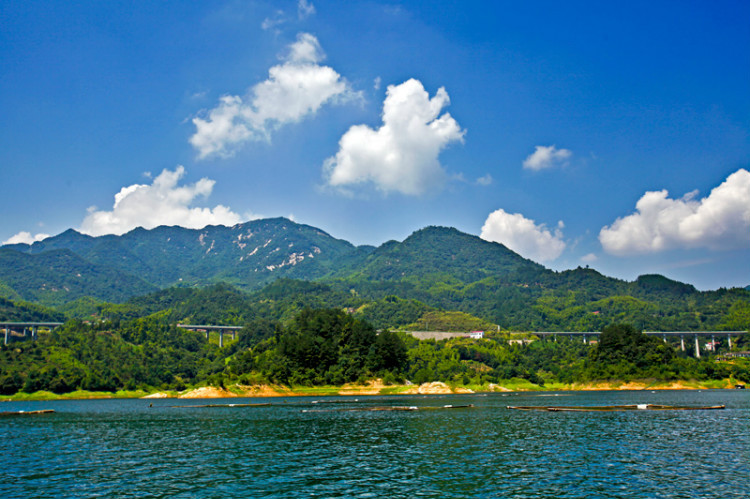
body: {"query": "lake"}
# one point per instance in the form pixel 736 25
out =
pixel 294 448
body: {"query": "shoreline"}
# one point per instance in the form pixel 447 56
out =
pixel 377 387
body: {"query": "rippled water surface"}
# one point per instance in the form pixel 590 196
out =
pixel 293 448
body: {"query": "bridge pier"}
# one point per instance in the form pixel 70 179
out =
pixel 221 338
pixel 697 348
pixel 729 340
pixel 27 329
pixel 682 342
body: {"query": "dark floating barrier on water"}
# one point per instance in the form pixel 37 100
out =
pixel 352 409
pixel 396 408
pixel 203 406
pixel 413 408
pixel 602 408
pixel 345 401
pixel 26 413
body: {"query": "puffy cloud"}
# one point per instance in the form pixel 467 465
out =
pixel 524 236
pixel 293 90
pixel 401 155
pixel 719 221
pixel 24 237
pixel 589 258
pixel 546 157
pixel 161 203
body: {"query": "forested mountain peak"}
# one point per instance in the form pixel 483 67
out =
pixel 659 283
pixel 70 239
pixel 248 255
pixel 441 251
pixel 298 265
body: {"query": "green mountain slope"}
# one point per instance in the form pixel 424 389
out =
pixel 439 253
pixel 288 266
pixel 27 312
pixel 59 276
pixel 248 255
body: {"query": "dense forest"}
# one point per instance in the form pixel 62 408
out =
pixel 393 285
pixel 330 346
pixel 315 310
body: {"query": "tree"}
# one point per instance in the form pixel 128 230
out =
pixel 388 353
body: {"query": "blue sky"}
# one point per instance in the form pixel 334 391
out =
pixel 576 133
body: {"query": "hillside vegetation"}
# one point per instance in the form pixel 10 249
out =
pixel 331 347
pixel 311 307
pixel 394 285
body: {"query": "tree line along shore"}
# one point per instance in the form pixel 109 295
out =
pixel 329 351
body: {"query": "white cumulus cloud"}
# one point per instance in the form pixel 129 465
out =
pixel 401 155
pixel 163 202
pixel 589 258
pixel 524 236
pixel 25 237
pixel 719 221
pixel 546 157
pixel 293 90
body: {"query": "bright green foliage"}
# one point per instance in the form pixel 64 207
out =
pixel 491 360
pixel 27 312
pixel 141 353
pixel 329 346
pixel 392 312
pixel 738 317
pixel 449 321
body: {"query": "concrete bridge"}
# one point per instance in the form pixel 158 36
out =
pixel 663 334
pixel 208 328
pixel 19 329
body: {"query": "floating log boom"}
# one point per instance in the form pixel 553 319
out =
pixel 203 406
pixel 26 413
pixel 633 407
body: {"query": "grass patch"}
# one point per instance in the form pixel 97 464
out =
pixel 76 395
pixel 520 385
pixel 315 390
pixel 395 389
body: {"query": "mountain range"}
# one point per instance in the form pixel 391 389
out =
pixel 115 268
pixel 438 266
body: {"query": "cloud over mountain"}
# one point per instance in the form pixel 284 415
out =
pixel 401 155
pixel 524 236
pixel 25 237
pixel 294 90
pixel 719 221
pixel 164 202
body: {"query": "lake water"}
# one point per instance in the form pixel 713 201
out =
pixel 293 448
